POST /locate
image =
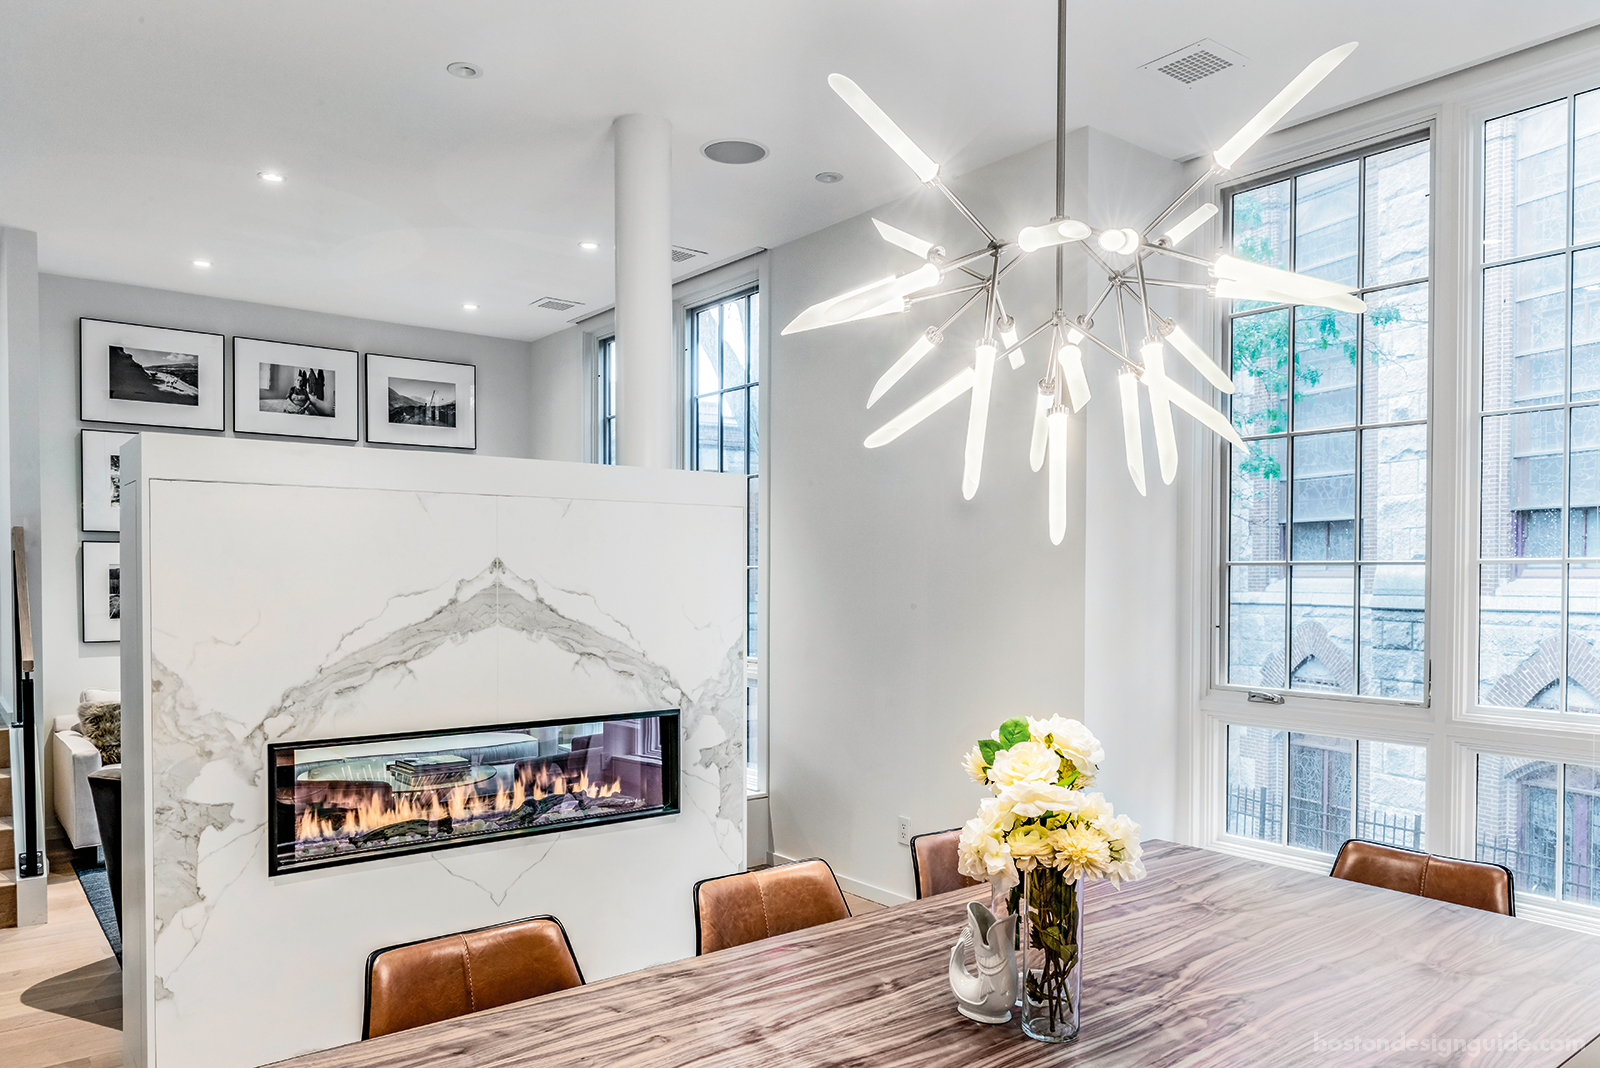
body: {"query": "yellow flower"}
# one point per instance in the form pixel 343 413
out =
pixel 1080 851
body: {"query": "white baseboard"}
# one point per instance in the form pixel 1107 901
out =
pixel 856 886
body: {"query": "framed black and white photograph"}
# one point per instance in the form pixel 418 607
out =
pixel 101 484
pixel 298 390
pixel 149 375
pixel 422 402
pixel 102 591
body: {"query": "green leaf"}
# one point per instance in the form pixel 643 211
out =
pixel 988 747
pixel 1013 731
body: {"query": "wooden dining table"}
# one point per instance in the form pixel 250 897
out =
pixel 1212 960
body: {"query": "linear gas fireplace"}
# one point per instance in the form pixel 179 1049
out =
pixel 342 800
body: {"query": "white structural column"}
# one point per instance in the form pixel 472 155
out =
pixel 647 402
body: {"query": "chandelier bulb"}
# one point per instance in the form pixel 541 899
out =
pixel 978 418
pixel 1041 411
pixel 1057 436
pixel 1124 242
pixel 1132 428
pixel 919 348
pixel 1155 380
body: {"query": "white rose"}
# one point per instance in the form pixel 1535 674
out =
pixel 983 853
pixel 1025 762
pixel 1031 799
pixel 1081 851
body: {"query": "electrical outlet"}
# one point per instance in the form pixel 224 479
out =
pixel 903 825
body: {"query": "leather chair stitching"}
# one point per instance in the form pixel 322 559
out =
pixel 766 922
pixel 1422 891
pixel 466 953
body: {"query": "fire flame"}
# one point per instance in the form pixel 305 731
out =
pixel 459 803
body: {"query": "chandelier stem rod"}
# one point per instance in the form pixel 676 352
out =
pixel 994 296
pixel 982 253
pixel 988 235
pixel 1187 193
pixel 1144 299
pixel 1122 325
pixel 1041 328
pixel 1166 251
pixel 1176 285
pixel 1061 149
pixel 976 287
pixel 1088 316
pixel 1111 351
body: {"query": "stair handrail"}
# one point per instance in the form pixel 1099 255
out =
pixel 30 858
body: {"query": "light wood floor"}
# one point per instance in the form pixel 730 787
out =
pixel 60 987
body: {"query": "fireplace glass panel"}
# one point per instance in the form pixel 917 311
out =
pixel 342 800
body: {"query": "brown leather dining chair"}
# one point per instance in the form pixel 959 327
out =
pixel 441 978
pixel 933 863
pixel 731 910
pixel 1475 884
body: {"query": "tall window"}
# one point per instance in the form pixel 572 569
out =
pixel 724 409
pixel 1327 504
pixel 605 386
pixel 1539 562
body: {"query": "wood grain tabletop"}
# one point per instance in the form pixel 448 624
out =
pixel 1212 960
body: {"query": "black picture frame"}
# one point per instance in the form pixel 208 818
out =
pixel 106 363
pixel 382 400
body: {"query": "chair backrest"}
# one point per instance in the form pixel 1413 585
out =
pixel 933 863
pixel 734 909
pixel 440 978
pixel 1490 887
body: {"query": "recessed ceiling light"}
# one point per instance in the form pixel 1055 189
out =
pixel 465 70
pixel 830 177
pixel 202 263
pixel 734 152
pixel 270 176
pixel 469 307
pixel 588 246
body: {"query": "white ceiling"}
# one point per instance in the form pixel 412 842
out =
pixel 131 131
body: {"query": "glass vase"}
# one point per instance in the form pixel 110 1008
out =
pixel 1052 961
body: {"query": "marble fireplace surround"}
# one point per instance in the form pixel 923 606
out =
pixel 281 592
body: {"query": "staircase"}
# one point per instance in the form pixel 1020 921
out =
pixel 8 838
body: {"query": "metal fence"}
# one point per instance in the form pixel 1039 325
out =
pixel 1259 814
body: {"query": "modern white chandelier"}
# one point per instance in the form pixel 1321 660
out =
pixel 1122 253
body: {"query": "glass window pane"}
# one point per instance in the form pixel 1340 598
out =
pixel 1583 638
pixel 708 345
pixel 1324 506
pixel 1583 483
pixel 1393 653
pixel 1586 325
pixel 1519 635
pixel 1521 485
pixel 753 515
pixel 1324 368
pixel 1394 493
pixel 755 428
pixel 1524 333
pixel 1255 782
pixel 1261 230
pixel 1586 167
pixel 1258 518
pixel 751 590
pixel 1517 820
pixel 1392 793
pixel 1525 182
pixel 1256 616
pixel 1321 791
pixel 755 337
pixel 1261 373
pixel 1322 618
pixel 1581 838
pixel 733 431
pixel 1326 222
pixel 708 444
pixel 1395 373
pixel 1398 183
pixel 734 356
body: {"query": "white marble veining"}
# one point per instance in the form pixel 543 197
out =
pixel 283 612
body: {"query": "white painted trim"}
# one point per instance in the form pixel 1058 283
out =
pixel 855 886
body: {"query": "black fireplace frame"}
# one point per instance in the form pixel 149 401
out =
pixel 280 830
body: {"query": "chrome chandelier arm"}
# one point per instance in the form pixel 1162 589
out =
pixel 988 234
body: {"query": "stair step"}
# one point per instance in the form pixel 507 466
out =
pixel 5 793
pixel 5 747
pixel 8 841
pixel 8 899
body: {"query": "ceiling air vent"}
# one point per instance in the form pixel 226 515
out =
pixel 680 254
pixel 1193 63
pixel 557 304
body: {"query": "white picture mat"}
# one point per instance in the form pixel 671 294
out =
pixel 99 557
pixel 464 376
pixel 99 512
pixel 95 338
pixel 248 418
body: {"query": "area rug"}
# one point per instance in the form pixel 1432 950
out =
pixel 97 888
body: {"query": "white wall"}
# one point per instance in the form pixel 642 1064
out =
pixel 67 665
pixel 278 592
pixel 560 397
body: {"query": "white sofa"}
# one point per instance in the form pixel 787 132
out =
pixel 75 759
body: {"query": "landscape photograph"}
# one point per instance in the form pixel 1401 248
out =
pixel 154 377
pixel 417 402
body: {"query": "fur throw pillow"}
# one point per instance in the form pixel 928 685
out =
pixel 101 723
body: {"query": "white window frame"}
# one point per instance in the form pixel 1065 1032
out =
pixel 1451 724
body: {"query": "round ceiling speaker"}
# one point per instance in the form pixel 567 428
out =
pixel 465 70
pixel 830 177
pixel 733 152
